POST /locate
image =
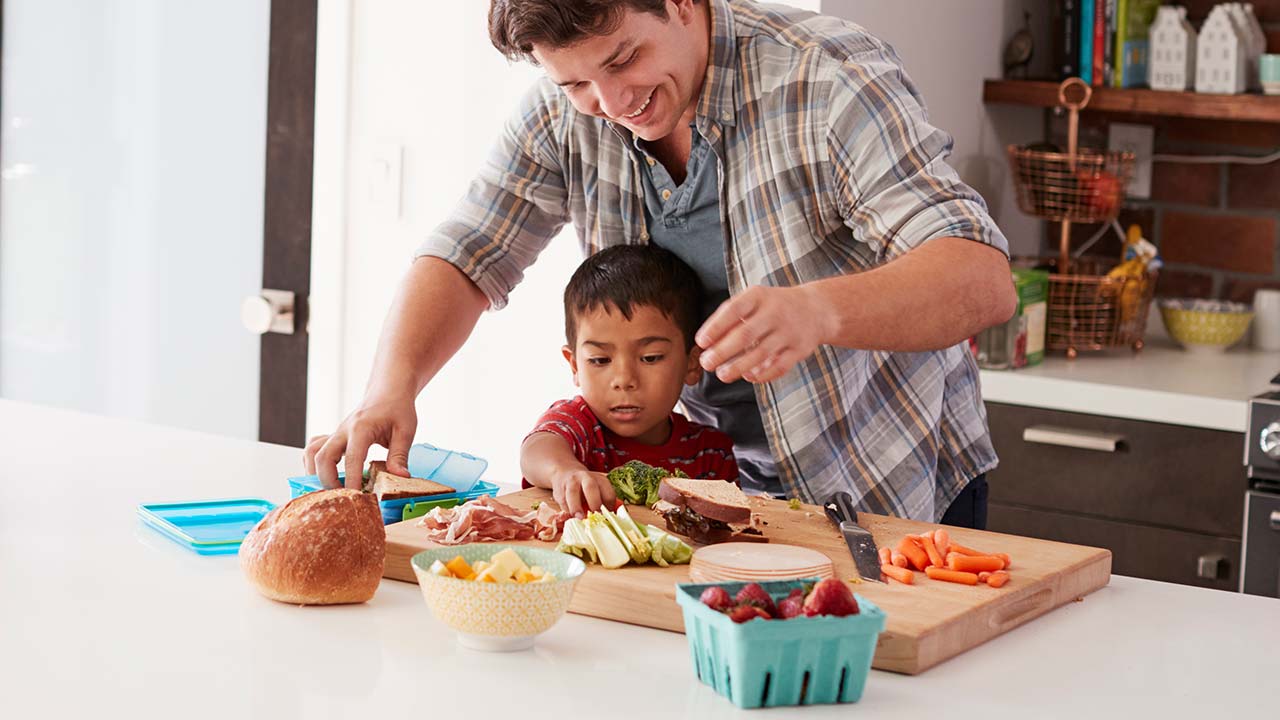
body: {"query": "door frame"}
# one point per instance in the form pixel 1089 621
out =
pixel 286 239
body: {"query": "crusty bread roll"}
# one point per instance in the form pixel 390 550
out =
pixel 323 548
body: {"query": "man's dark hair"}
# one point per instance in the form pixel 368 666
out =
pixel 515 25
pixel 624 277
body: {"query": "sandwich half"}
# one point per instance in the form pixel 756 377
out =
pixel 395 487
pixel 707 511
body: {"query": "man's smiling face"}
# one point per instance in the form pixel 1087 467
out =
pixel 644 75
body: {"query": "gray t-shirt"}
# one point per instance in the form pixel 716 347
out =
pixel 685 219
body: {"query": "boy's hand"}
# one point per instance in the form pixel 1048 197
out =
pixel 390 424
pixel 580 490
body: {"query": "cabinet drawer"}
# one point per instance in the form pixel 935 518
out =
pixel 1169 475
pixel 1138 550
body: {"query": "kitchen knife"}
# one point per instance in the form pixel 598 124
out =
pixel 862 546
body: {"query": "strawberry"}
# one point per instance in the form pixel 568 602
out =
pixel 754 594
pixel 798 593
pixel 791 607
pixel 747 611
pixel 716 598
pixel 830 597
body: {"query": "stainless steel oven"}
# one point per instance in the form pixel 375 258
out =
pixel 1260 554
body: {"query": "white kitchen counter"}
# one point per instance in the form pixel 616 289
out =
pixel 1163 383
pixel 100 616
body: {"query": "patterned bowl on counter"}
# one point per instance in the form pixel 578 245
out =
pixel 498 617
pixel 1205 325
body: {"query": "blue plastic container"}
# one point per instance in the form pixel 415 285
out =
pixel 458 470
pixel 210 527
pixel 768 663
pixel 394 511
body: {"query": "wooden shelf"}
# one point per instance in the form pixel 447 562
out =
pixel 1036 93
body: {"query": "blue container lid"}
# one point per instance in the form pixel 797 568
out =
pixel 208 527
pixel 458 470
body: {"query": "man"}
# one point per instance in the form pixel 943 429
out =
pixel 786 157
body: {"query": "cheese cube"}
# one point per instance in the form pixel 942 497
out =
pixel 507 565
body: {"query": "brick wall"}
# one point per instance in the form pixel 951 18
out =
pixel 1217 226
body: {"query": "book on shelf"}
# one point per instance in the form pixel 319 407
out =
pixel 1133 49
pixel 1086 40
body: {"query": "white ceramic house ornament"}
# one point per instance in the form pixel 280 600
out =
pixel 1221 54
pixel 1172 58
pixel 1256 39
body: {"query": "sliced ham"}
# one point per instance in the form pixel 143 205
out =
pixel 488 520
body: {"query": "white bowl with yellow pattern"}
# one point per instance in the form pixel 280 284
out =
pixel 498 617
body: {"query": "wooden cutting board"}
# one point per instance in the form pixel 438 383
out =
pixel 927 622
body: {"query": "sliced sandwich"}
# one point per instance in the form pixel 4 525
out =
pixel 395 487
pixel 707 511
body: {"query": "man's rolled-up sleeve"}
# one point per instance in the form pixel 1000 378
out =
pixel 895 189
pixel 513 207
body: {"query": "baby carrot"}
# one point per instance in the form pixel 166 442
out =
pixel 976 563
pixel 913 552
pixel 998 579
pixel 964 578
pixel 1005 557
pixel 935 557
pixel 886 557
pixel 942 540
pixel 982 576
pixel 899 559
pixel 902 575
pixel 965 551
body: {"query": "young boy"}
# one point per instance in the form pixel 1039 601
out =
pixel 630 313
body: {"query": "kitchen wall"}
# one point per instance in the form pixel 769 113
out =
pixel 1217 225
pixel 409 96
pixel 948 49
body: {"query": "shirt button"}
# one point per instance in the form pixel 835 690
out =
pixel 651 161
pixel 644 235
pixel 666 194
pixel 726 116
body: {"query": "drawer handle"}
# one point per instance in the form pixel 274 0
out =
pixel 1072 438
pixel 1275 519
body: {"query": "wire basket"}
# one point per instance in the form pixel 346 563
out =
pixel 1086 188
pixel 1090 311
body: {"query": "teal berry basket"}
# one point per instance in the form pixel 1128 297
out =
pixel 771 663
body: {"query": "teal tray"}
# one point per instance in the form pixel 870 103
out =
pixel 208 527
pixel 769 663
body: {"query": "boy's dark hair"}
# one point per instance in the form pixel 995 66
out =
pixel 515 25
pixel 627 276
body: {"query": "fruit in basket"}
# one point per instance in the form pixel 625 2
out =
pixel 1100 192
pixel 716 598
pixel 753 594
pixel 791 607
pixel 743 613
pixel 830 597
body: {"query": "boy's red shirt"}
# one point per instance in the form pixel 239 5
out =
pixel 698 451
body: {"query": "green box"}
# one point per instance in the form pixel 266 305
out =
pixel 1032 287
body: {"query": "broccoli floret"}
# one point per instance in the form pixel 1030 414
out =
pixel 637 483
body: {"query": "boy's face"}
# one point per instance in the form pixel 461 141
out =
pixel 631 372
pixel 644 75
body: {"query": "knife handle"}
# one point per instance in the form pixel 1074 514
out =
pixel 844 501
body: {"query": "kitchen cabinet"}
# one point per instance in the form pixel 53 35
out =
pixel 1167 500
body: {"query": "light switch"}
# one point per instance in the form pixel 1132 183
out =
pixel 1139 140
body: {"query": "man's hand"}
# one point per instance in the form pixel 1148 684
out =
pixel 389 423
pixel 579 490
pixel 761 333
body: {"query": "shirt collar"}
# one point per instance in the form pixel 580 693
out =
pixel 716 103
